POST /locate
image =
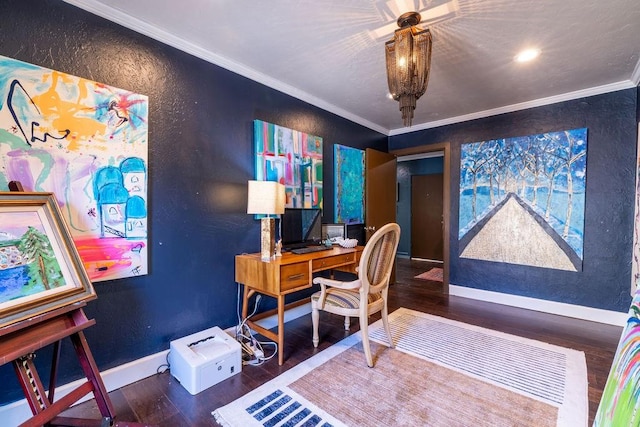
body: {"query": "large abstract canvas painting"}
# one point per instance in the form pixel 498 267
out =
pixel 522 200
pixel 349 184
pixel 291 158
pixel 635 253
pixel 86 142
pixel 620 405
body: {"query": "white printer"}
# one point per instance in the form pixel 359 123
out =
pixel 205 358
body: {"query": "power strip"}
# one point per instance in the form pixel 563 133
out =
pixel 252 351
pixel 259 354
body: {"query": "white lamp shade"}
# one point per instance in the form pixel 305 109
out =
pixel 265 198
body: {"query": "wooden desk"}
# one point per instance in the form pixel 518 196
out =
pixel 284 275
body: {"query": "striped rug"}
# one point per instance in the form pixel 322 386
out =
pixel 441 373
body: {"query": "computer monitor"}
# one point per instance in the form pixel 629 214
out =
pixel 300 227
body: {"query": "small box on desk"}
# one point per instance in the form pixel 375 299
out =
pixel 205 358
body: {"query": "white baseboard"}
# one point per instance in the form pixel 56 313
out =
pixel 15 413
pixel 427 260
pixel 290 314
pixel 576 311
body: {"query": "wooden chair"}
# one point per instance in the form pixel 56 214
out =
pixel 365 295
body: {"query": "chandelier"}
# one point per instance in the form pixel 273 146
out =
pixel 408 63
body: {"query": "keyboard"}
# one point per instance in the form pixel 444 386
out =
pixel 309 249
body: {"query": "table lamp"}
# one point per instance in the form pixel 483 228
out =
pixel 266 198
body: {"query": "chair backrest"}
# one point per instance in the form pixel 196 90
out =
pixel 378 258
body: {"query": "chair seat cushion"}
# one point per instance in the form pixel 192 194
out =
pixel 344 298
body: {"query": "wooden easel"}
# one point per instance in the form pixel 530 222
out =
pixel 19 341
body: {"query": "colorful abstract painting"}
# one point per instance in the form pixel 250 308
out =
pixel 522 200
pixel 87 143
pixel 349 184
pixel 635 253
pixel 291 158
pixel 620 402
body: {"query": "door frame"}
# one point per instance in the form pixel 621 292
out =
pixel 427 150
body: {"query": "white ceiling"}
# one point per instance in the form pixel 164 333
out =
pixel 330 53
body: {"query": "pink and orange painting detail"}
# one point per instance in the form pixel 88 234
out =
pixel 620 403
pixel 86 142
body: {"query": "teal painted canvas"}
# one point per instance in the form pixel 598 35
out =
pixel 349 185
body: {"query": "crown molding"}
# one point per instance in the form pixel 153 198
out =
pixel 569 96
pixel 142 27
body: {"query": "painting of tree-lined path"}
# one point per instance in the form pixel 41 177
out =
pixel 522 200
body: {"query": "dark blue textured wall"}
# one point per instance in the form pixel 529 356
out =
pixel 611 158
pixel 200 158
pixel 405 171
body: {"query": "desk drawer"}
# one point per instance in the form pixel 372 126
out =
pixel 294 275
pixel 334 261
pixel 352 268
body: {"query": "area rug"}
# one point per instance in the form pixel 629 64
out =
pixel 441 373
pixel 435 274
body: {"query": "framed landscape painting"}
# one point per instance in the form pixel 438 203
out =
pixel 40 268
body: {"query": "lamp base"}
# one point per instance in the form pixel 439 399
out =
pixel 267 238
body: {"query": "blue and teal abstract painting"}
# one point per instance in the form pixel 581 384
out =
pixel 522 199
pixel 349 185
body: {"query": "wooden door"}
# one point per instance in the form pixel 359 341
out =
pixel 380 190
pixel 426 217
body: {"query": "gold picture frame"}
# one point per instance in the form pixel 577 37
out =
pixel 40 269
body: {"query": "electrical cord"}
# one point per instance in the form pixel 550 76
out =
pixel 253 348
pixel 166 366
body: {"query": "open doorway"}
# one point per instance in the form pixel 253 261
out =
pixel 419 206
pixel 421 161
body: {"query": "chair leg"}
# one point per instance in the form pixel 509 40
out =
pixel 364 330
pixel 385 323
pixel 315 319
pixel 347 322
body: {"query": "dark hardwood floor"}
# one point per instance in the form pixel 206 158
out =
pixel 161 400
